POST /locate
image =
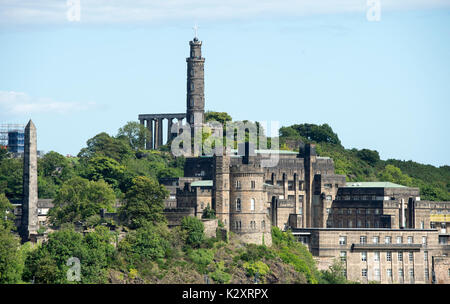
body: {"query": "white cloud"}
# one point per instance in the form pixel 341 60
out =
pixel 19 103
pixel 130 11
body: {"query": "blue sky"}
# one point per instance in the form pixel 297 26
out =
pixel 380 85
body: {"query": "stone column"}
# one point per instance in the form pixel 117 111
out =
pixel 156 145
pixel 149 142
pixel 30 187
pixel 160 132
pixel 169 129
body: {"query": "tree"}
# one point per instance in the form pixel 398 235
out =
pixel 6 213
pixel 372 157
pixel 147 243
pixel 11 177
pixel 144 202
pixel 334 274
pixel 208 213
pixel 48 263
pixel 194 228
pixel 311 133
pixel 55 166
pixel 221 117
pixel 79 199
pixel 106 168
pixel 135 134
pixel 105 145
pixel 393 174
pixel 11 262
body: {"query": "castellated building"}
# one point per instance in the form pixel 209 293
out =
pixel 379 231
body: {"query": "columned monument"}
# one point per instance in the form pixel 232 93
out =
pixel 195 102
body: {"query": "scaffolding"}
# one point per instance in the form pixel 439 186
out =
pixel 5 129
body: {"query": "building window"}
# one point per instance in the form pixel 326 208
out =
pixel 388 256
pixel 364 272
pixel 377 274
pixel 411 274
pixel 389 273
pixel 425 255
pixel 376 239
pixel 427 275
pixel 411 256
pixel 367 224
pixel 376 256
pixel 329 198
pixel 400 274
pixel 350 224
pixel 238 225
pixel 238 204
pixel 424 240
pixel 364 256
pixel 422 225
pixel 342 240
pixel 359 223
pixel 328 211
pixel 349 211
pixel 387 240
pixel 400 256
pixel 343 255
pixel 368 211
pixel 410 239
pixel 344 273
pixel 399 240
pixel 360 211
pixel 377 224
pixel 300 210
pixel 362 240
pixel 238 184
pixel 253 184
pixel 252 204
pixel 377 211
pixel 263 224
pixel 252 225
pixel 300 198
pixel 328 186
pixel 432 225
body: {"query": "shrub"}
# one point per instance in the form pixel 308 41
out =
pixel 194 228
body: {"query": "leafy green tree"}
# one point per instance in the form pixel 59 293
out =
pixel 311 133
pixel 6 213
pixel 11 262
pixel 48 263
pixel 55 166
pixel 3 152
pixel 147 243
pixel 334 275
pixel 221 117
pixel 135 134
pixel 144 203
pixel 79 199
pixel 370 156
pixel 209 213
pixel 105 168
pixel 105 145
pixel 11 177
pixel 395 175
pixel 195 229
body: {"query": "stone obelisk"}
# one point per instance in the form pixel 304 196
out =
pixel 30 186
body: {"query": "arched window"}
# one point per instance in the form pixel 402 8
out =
pixel 252 204
pixel 238 204
pixel 263 224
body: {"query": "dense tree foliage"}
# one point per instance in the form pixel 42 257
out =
pixel 79 199
pixel 135 134
pixel 144 203
pixel 11 177
pixel 311 133
pixel 105 145
pixel 49 262
pixel 221 117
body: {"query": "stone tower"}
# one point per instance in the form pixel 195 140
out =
pixel 195 99
pixel 30 187
pixel 221 187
